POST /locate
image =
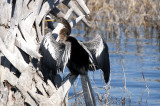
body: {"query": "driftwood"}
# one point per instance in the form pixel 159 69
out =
pixel 21 31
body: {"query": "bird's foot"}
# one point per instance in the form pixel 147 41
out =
pixel 92 66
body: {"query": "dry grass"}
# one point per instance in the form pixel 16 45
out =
pixel 131 14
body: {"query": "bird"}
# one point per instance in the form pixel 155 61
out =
pixel 78 56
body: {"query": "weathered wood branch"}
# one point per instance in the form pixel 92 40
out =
pixel 22 30
pixel 84 7
pixel 87 91
pixel 77 11
pixel 15 61
pixel 20 42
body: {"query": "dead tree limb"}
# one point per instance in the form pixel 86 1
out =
pixel 22 30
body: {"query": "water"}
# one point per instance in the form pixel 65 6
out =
pixel 140 58
pixel 135 69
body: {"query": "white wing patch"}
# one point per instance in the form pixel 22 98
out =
pixel 66 54
pixel 100 48
pixel 48 46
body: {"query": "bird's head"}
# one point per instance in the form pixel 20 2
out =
pixel 61 20
pixel 58 19
pixel 64 32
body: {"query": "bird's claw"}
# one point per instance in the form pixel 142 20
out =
pixel 92 66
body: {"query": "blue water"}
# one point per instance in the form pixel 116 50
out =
pixel 134 59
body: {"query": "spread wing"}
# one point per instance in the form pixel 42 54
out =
pixel 99 50
pixel 55 55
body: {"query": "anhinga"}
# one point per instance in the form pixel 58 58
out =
pixel 78 56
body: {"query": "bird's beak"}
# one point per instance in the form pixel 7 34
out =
pixel 51 20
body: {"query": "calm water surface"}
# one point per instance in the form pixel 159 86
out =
pixel 135 69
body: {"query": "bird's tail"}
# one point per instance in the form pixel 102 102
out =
pixel 87 91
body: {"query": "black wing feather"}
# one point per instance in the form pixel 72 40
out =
pixel 55 55
pixel 99 51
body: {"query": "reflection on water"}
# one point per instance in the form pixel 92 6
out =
pixel 135 67
pixel 140 56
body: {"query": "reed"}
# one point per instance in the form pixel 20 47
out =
pixel 131 14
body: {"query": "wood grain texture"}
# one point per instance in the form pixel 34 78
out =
pixel 22 30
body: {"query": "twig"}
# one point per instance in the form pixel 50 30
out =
pixel 144 90
pixel 123 99
pixel 79 93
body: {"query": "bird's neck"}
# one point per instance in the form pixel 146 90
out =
pixel 63 35
pixel 67 26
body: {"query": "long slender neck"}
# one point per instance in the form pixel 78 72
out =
pixel 63 35
pixel 67 26
pixel 66 31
